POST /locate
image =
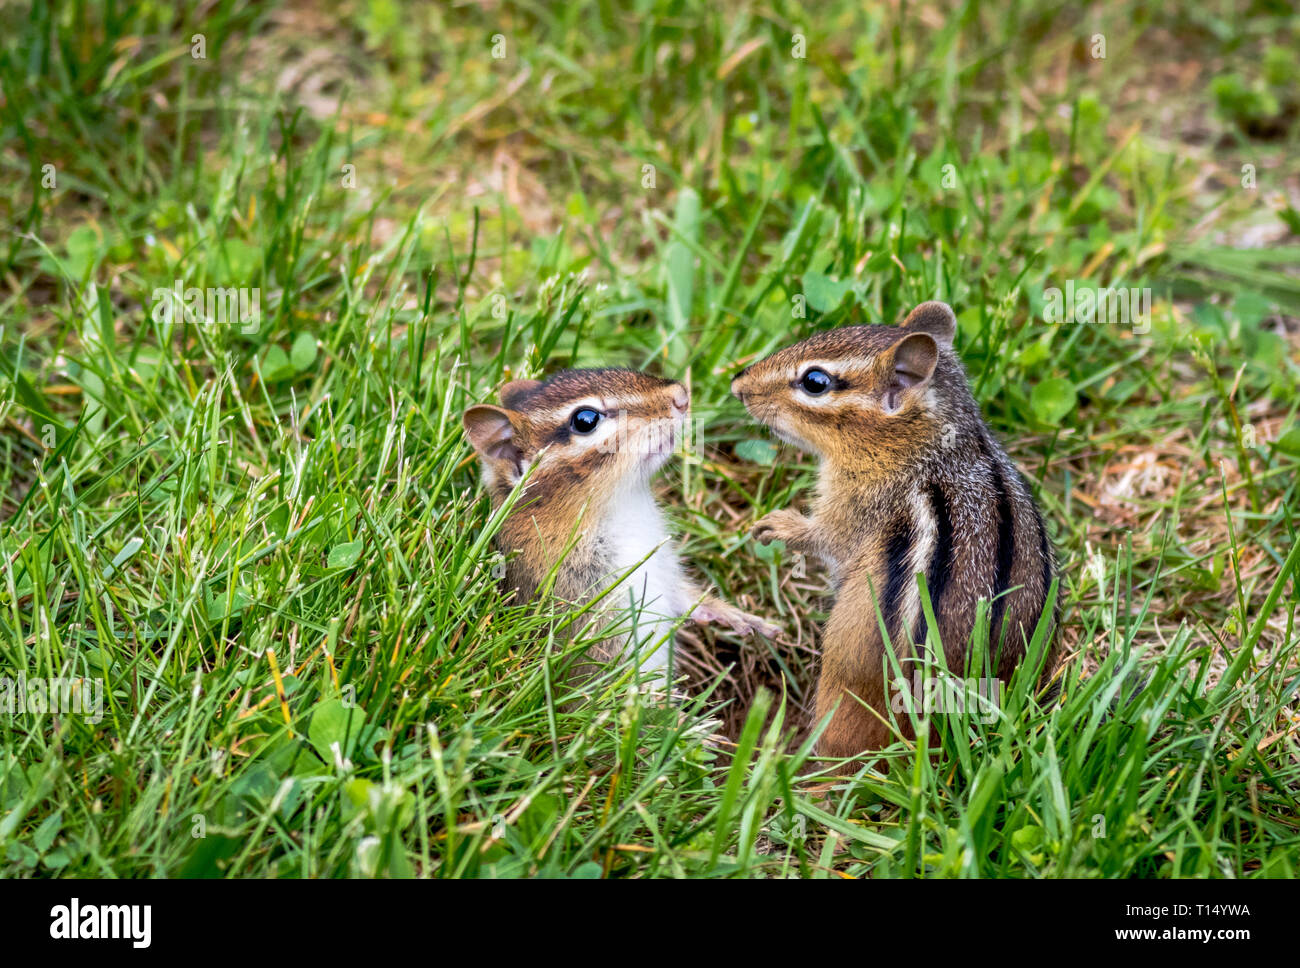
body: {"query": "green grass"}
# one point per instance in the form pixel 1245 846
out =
pixel 270 545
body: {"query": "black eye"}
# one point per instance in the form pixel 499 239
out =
pixel 584 421
pixel 815 382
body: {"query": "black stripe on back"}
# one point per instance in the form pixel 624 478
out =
pixel 940 570
pixel 898 549
pixel 1045 549
pixel 1006 553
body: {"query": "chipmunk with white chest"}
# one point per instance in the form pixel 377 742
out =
pixel 911 481
pixel 588 443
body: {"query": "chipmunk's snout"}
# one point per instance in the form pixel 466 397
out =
pixel 738 384
pixel 681 399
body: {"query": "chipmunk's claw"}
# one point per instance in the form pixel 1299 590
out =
pixel 766 629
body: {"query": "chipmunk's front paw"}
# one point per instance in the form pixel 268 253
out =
pixel 742 623
pixel 783 525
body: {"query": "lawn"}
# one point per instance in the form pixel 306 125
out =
pixel 259 258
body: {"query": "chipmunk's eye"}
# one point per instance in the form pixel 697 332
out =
pixel 815 382
pixel 584 421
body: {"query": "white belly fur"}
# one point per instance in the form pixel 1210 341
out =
pixel 656 589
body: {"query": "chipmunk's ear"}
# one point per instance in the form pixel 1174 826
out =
pixel 516 390
pixel 492 433
pixel 935 318
pixel 910 363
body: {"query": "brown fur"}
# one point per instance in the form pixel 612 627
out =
pixel 573 515
pixel 911 480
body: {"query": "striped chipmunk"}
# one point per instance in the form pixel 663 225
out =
pixel 911 480
pixel 589 442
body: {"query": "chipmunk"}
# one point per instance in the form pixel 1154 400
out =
pixel 911 480
pixel 589 442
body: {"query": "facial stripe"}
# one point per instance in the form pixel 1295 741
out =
pixel 795 371
pixel 562 412
pixel 847 401
pixel 837 382
pixel 824 406
pixel 564 439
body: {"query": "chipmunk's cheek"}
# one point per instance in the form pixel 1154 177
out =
pixel 758 406
pixel 791 436
pixel 609 436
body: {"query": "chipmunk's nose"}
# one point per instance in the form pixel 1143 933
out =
pixel 681 399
